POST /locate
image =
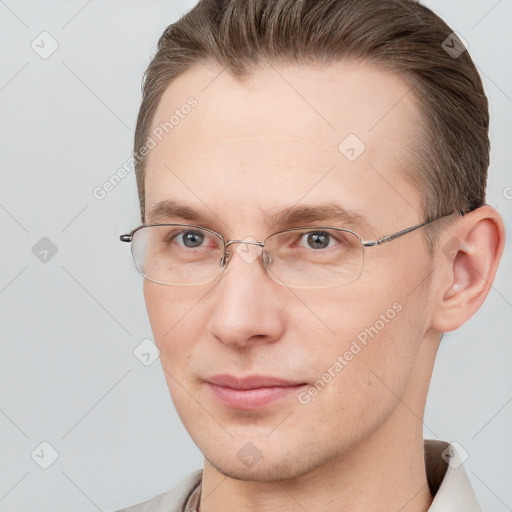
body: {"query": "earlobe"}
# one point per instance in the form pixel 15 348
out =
pixel 468 263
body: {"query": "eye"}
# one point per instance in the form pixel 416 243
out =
pixel 180 239
pixel 191 239
pixel 317 239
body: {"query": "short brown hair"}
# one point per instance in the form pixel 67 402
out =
pixel 401 35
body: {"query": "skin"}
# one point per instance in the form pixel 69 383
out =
pixel 259 145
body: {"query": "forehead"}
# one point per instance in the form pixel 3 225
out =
pixel 272 136
pixel 336 99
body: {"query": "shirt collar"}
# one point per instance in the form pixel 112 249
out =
pixel 447 479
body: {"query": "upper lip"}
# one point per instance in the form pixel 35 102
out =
pixel 250 381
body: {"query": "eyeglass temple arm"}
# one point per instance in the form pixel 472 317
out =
pixel 383 240
pixel 126 238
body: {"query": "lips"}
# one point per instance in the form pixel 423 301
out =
pixel 250 382
pixel 250 392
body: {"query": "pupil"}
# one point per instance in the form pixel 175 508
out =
pixel 193 239
pixel 318 240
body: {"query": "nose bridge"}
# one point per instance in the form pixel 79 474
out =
pixel 254 242
pixel 246 254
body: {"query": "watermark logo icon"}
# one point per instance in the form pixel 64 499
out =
pixel 352 147
pixel 44 455
pixel 146 352
pixel 45 45
pixel 249 252
pixel 455 455
pixel 249 455
pixel 44 250
pixel 455 45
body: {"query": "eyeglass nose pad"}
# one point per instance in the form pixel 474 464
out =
pixel 267 258
pixel 225 258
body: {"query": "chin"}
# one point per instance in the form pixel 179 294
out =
pixel 274 467
pixel 261 472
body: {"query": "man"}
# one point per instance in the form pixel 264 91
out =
pixel 312 179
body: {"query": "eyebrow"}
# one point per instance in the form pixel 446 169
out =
pixel 168 209
pixel 295 215
pixel 277 218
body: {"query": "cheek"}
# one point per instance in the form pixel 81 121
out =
pixel 361 370
pixel 176 318
pixel 368 337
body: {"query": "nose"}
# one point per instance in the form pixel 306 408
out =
pixel 248 253
pixel 248 305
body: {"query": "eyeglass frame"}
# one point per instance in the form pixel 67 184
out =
pixel 227 253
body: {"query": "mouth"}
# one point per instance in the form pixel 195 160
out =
pixel 251 392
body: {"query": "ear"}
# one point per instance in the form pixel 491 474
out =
pixel 467 258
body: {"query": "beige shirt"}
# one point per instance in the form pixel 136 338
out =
pixel 446 477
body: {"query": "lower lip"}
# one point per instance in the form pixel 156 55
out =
pixel 251 398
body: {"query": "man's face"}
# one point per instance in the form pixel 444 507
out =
pixel 262 146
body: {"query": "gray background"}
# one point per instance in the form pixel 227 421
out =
pixel 70 324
